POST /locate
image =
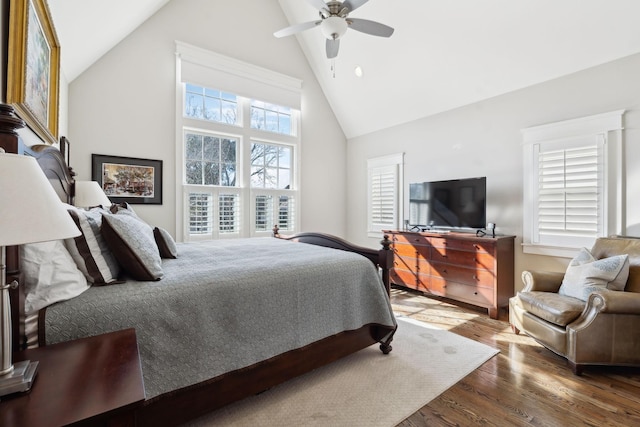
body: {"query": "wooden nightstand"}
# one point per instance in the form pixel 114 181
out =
pixel 92 381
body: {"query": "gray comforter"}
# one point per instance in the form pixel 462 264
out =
pixel 224 305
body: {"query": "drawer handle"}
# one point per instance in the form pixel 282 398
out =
pixel 444 270
pixel 475 293
pixel 475 277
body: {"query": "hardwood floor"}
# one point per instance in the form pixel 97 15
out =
pixel 525 384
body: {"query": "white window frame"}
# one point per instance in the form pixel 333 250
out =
pixel 243 80
pixel 385 167
pixel 604 130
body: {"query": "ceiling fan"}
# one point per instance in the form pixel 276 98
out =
pixel 334 22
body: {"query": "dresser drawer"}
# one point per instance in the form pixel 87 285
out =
pixel 415 251
pixel 403 278
pixel 468 276
pixel 411 264
pixel 481 260
pixel 475 295
pixel 410 238
pixel 463 245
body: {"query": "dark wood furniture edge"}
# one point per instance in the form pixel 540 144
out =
pixel 104 371
pixel 191 402
pixel 381 258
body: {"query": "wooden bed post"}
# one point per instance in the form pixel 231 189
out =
pixel 386 262
pixel 10 141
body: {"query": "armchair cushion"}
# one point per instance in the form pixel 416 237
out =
pixel 586 274
pixel 552 307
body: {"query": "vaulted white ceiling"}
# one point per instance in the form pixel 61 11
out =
pixel 444 53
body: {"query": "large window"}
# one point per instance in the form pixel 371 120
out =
pixel 236 149
pixel 210 160
pixel 571 176
pixel 209 104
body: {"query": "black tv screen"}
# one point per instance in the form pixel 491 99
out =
pixel 456 203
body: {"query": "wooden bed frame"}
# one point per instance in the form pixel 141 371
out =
pixel 188 403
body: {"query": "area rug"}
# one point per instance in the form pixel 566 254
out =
pixel 366 388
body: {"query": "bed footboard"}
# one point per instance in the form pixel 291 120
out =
pixel 381 258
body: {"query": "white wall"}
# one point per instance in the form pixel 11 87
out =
pixel 484 139
pixel 124 104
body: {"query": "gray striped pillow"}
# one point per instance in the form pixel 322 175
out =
pixel 132 243
pixel 89 250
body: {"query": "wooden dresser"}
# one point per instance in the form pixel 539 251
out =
pixel 459 266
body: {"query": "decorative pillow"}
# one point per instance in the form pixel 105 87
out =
pixel 89 250
pixel 122 206
pixel 50 275
pixel 166 244
pixel 586 274
pixel 131 241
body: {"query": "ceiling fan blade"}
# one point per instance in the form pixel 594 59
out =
pixel 370 27
pixel 332 48
pixel 318 4
pixel 353 4
pixel 296 28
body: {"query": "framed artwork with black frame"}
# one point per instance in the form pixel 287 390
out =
pixel 128 179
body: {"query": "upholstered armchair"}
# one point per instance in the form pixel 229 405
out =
pixel 598 326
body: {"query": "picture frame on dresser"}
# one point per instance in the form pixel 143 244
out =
pixel 33 67
pixel 128 179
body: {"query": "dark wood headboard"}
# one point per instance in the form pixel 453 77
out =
pixel 52 163
pixel 62 180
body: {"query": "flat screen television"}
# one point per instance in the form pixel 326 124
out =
pixel 451 204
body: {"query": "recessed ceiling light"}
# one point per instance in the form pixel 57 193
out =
pixel 358 71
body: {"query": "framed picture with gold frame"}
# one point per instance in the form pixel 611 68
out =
pixel 33 71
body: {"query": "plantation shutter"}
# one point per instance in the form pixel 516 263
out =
pixel 200 214
pixel 570 190
pixel 383 197
pixel 384 193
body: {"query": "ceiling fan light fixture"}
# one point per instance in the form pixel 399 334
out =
pixel 333 27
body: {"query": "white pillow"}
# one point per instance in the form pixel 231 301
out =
pixel 586 274
pixel 50 275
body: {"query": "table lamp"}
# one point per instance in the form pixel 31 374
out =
pixel 30 211
pixel 89 194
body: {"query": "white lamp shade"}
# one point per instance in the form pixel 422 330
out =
pixel 30 210
pixel 89 193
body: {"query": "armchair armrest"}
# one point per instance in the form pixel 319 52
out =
pixel 617 302
pixel 544 281
pixel 605 301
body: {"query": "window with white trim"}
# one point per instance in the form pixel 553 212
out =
pixel 384 189
pixel 236 151
pixel 571 176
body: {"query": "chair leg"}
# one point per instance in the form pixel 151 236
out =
pixel 577 368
